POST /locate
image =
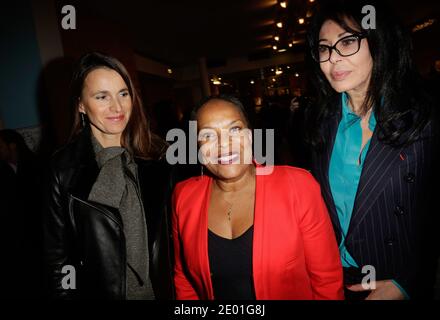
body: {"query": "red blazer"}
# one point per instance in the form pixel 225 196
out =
pixel 295 254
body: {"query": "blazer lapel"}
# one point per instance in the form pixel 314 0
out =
pixel 201 238
pixel 258 260
pixel 85 174
pixel 378 165
pixel 324 163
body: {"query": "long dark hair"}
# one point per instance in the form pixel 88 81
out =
pixel 136 137
pixel 400 105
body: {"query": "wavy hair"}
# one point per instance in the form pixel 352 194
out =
pixel 395 93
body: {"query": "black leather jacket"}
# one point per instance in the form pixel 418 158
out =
pixel 90 236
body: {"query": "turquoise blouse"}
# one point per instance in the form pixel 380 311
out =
pixel 345 170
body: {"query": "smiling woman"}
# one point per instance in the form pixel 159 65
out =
pixel 243 235
pixel 108 195
pixel 103 95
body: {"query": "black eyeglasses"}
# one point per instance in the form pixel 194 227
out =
pixel 345 47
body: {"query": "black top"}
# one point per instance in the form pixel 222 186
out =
pixel 231 266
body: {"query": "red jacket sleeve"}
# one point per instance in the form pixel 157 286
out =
pixel 184 289
pixel 321 251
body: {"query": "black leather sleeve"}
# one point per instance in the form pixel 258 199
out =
pixel 57 248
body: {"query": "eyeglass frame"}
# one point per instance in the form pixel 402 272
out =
pixel 359 37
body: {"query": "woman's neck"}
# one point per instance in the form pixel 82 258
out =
pixel 245 181
pixel 106 140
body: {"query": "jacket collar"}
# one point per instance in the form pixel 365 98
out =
pixel 330 131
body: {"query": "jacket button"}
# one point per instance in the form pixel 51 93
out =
pixel 398 210
pixel 410 178
pixel 389 242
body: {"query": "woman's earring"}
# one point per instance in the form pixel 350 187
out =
pixel 83 120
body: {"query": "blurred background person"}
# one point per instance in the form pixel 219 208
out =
pixel 20 206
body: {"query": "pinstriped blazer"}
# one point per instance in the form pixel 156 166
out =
pixel 391 206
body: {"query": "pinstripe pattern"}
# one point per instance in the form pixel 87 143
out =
pixel 390 201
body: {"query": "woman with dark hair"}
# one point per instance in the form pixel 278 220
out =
pixel 246 231
pixel 106 219
pixel 21 240
pixel 373 147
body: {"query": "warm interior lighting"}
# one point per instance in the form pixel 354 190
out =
pixel 274 47
pixel 279 24
pixel 290 45
pixel 279 71
pixel 216 80
pixel 277 38
pixel 170 71
pixel 423 25
pixel 282 50
pixel 283 4
pixel 301 21
pixel 252 81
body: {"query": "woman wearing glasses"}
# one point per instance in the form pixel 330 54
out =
pixel 373 150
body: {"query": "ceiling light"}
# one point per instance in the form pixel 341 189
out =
pixel 423 25
pixel 170 71
pixel 277 38
pixel 274 47
pixel 282 50
pixel 283 4
pixel 290 45
pixel 301 21
pixel 252 81
pixel 278 72
pixel 279 24
pixel 297 74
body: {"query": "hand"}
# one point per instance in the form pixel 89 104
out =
pixel 385 290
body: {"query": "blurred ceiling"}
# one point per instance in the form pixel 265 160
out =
pixel 178 32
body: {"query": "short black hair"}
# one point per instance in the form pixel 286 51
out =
pixel 223 97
